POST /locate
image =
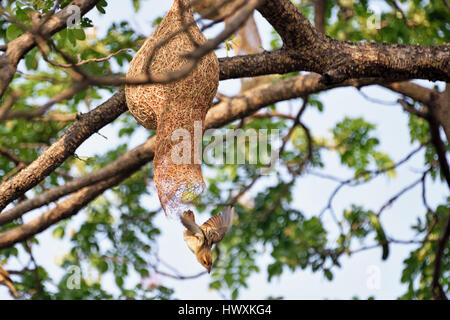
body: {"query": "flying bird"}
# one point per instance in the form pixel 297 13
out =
pixel 200 239
pixel 5 280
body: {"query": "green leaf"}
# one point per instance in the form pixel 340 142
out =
pixel 102 266
pixel 31 61
pixel 79 34
pixel 22 14
pixel 59 232
pixel 136 5
pixel 328 274
pixel 380 235
pixel 71 37
pixel 119 281
pixel 12 32
pixel 101 5
pixel 234 294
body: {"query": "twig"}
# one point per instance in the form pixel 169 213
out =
pixel 403 191
pixel 40 111
pixel 439 146
pixel 244 190
pixel 83 62
pixel 397 7
pixel 273 114
pixel 410 108
pixel 378 101
pixel 8 104
pixel 11 156
pixel 294 125
pixel 352 182
pixel 320 7
pixel 447 5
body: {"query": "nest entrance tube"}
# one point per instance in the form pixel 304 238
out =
pixel 176 107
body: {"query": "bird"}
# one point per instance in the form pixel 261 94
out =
pixel 200 239
pixel 5 280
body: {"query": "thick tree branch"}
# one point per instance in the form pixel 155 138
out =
pixel 439 102
pixel 442 111
pixel 436 287
pixel 306 49
pixel 228 110
pixel 91 122
pixel 413 90
pixel 436 113
pixel 63 210
pixel 320 7
pixel 17 48
pixel 241 106
pixel 129 161
pixel 240 16
pixel 62 149
pixel 439 146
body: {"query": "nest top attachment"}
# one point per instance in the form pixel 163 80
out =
pixel 174 106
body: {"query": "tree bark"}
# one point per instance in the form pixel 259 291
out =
pixel 17 48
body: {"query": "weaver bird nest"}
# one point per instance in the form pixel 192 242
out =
pixel 215 9
pixel 173 106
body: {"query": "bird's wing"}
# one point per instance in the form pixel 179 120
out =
pixel 193 235
pixel 194 242
pixel 216 227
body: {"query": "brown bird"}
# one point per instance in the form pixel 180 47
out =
pixel 200 239
pixel 5 280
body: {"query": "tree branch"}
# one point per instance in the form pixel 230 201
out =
pixel 320 7
pixel 40 111
pixel 18 47
pixel 63 210
pixel 227 111
pixel 436 288
pixel 62 149
pixel 306 49
pixel 439 146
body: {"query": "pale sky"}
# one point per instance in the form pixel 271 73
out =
pixel 311 193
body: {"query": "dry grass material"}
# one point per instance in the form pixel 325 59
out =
pixel 247 39
pixel 177 105
pixel 202 6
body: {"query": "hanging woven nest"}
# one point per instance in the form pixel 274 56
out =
pixel 175 107
pixel 203 6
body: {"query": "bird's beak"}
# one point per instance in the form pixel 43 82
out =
pixel 209 270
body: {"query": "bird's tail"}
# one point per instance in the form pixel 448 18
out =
pixel 227 215
pixel 188 220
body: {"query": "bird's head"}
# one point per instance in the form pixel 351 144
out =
pixel 205 258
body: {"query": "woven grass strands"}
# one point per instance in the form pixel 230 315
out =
pixel 246 40
pixel 215 9
pixel 174 107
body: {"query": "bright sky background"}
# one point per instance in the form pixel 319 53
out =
pixel 311 193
